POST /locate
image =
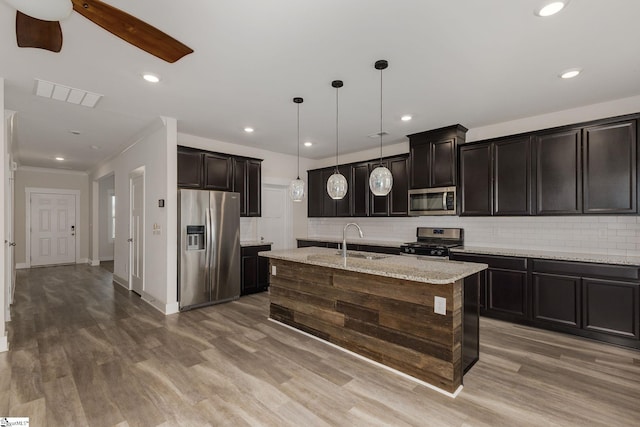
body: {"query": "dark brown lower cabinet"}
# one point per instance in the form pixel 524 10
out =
pixel 597 301
pixel 556 299
pixel 254 275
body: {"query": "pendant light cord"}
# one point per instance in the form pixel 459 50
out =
pixel 298 141
pixel 337 129
pixel 381 117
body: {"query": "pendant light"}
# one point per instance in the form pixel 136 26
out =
pixel 381 179
pixel 296 188
pixel 337 184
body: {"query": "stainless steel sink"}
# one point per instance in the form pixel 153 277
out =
pixel 363 255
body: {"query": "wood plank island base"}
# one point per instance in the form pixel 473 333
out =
pixel 382 307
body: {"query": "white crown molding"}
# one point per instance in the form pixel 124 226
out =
pixel 51 170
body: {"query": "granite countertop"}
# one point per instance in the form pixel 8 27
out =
pixel 353 240
pixel 413 268
pixel 562 256
pixel 255 243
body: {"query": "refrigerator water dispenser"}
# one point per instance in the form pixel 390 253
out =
pixel 195 237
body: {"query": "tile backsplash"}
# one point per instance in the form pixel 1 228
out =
pixel 611 235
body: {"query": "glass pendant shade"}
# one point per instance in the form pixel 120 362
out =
pixel 380 181
pixel 337 186
pixel 48 10
pixel 296 190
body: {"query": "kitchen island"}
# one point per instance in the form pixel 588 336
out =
pixel 383 307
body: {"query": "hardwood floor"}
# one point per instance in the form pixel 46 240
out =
pixel 85 352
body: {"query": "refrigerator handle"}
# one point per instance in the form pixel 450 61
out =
pixel 207 246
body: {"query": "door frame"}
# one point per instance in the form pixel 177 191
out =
pixel 134 174
pixel 280 184
pixel 31 190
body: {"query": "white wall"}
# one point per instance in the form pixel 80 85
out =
pixel 613 235
pixel 4 345
pixel 105 250
pixel 276 167
pixel 26 177
pixel 155 151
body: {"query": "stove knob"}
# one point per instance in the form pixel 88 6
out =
pixel 439 252
pixel 411 250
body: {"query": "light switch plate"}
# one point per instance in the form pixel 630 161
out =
pixel 273 270
pixel 440 305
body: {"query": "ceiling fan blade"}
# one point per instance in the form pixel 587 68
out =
pixel 33 32
pixel 132 30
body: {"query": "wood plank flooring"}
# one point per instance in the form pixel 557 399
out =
pixel 85 352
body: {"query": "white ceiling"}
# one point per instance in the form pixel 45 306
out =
pixel 467 61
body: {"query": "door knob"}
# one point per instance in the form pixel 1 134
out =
pixel 130 239
pixel 12 243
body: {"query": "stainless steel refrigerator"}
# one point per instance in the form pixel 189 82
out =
pixel 208 247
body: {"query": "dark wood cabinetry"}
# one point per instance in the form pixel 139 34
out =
pixel 433 157
pixel 611 307
pixel 359 201
pixel 512 176
pixel 391 250
pixel 556 299
pixel 218 172
pixel 205 170
pixel 475 180
pixel 255 269
pixel 609 162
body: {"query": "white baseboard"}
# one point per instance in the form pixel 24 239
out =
pixel 94 262
pixel 21 265
pixel 4 343
pixel 106 258
pixel 7 314
pixel 82 261
pixel 165 309
pixel 120 281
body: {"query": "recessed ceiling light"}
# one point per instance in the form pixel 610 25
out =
pixel 74 132
pixel 151 78
pixel 95 147
pixel 550 8
pixel 569 74
pixel 248 129
pixel 308 144
pixel 406 118
pixel 59 159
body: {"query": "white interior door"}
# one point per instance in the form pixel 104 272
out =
pixel 274 223
pixel 136 237
pixel 9 263
pixel 53 229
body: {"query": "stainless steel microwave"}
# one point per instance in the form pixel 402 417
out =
pixel 433 201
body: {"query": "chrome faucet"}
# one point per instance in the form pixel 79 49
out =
pixel 344 238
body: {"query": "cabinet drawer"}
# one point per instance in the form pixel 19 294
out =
pixel 494 261
pixel 587 269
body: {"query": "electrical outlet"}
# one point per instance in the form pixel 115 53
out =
pixel 440 305
pixel 273 270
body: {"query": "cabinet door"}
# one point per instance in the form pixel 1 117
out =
pixel 343 206
pixel 609 164
pixel 399 196
pixel 217 172
pixel 419 170
pixel 328 204
pixel 611 307
pixel 558 173
pixel 253 188
pixel 249 279
pixel 556 299
pixel 475 179
pixel 240 183
pixel 263 272
pixel 442 164
pixel 512 177
pixel 315 190
pixel 507 292
pixel 378 205
pixel 360 193
pixel 189 169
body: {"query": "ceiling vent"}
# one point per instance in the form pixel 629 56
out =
pixel 67 94
pixel 378 134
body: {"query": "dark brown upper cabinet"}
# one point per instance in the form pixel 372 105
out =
pixel 609 162
pixel 475 180
pixel 343 206
pixel 315 188
pixel 512 176
pixel 189 168
pixel 433 156
pixel 399 196
pixel 217 172
pixel 206 170
pixel 558 172
pixel 247 182
pixel 360 193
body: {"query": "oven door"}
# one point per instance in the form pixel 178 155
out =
pixel 433 201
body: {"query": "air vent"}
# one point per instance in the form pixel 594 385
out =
pixel 67 94
pixel 378 134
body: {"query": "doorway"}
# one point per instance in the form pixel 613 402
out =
pixel 275 224
pixel 52 226
pixel 136 233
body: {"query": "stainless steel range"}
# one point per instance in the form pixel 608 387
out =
pixel 434 242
